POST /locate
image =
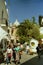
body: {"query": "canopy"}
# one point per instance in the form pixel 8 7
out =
pixel 3 33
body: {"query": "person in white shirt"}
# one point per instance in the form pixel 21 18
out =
pixel 27 48
pixel 9 53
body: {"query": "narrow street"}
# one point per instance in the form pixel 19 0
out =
pixel 26 59
pixel 29 60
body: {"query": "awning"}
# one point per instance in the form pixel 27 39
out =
pixel 3 33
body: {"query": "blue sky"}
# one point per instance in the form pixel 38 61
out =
pixel 24 9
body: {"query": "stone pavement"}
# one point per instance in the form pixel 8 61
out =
pixel 25 58
pixel 29 60
pixel 33 60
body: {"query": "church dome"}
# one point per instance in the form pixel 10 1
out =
pixel 16 23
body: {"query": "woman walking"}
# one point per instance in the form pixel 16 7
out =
pixel 9 53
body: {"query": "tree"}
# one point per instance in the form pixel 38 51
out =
pixel 27 30
pixel 35 32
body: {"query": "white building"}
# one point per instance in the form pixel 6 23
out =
pixel 3 14
pixel 41 30
pixel 16 23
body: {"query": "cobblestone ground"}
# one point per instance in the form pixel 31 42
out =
pixel 25 57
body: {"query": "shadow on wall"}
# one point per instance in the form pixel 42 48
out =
pixel 34 61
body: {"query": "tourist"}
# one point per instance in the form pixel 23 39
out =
pixel 9 53
pixel 39 50
pixel 27 48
